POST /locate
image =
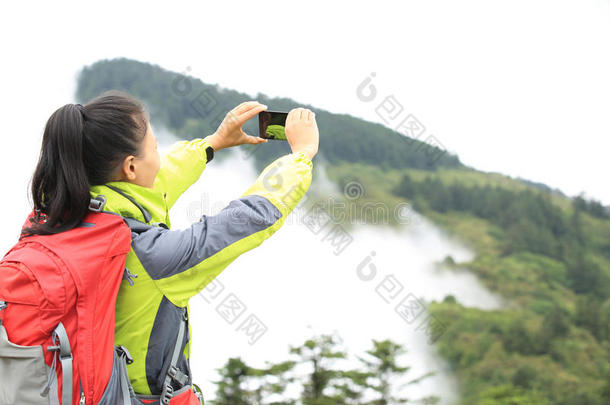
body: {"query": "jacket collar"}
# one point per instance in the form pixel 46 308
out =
pixel 152 200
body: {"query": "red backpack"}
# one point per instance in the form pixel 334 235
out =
pixel 57 311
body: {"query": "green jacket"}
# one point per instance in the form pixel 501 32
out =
pixel 173 266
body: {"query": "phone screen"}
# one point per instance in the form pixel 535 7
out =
pixel 271 125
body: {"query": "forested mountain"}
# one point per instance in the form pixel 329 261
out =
pixel 191 108
pixel 547 254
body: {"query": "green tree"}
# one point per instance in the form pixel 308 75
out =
pixel 231 388
pixel 273 380
pixel 244 385
pixel 383 370
pixel 323 385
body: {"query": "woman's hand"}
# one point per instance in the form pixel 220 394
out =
pixel 230 133
pixel 302 131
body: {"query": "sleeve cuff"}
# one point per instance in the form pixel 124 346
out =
pixel 209 153
pixel 301 156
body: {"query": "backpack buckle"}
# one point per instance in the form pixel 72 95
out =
pixel 123 350
pixel 177 375
pixel 97 204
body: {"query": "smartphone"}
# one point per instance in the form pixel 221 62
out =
pixel 272 125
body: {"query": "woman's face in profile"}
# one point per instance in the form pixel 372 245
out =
pixel 148 165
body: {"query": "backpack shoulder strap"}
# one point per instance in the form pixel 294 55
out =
pixel 65 358
pixel 145 213
pixel 172 372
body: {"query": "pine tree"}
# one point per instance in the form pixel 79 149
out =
pixel 382 365
pixel 323 385
pixel 231 388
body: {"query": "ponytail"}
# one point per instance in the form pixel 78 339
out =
pixel 82 146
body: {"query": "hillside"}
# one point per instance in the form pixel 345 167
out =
pixel 547 254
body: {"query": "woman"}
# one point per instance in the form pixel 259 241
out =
pixel 107 147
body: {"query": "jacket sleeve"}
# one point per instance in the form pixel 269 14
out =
pixel 183 262
pixel 181 166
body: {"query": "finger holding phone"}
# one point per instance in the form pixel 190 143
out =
pixel 230 132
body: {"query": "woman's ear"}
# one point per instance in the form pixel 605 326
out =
pixel 128 169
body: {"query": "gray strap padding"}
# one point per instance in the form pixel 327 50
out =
pixel 65 357
pixel 172 371
pixel 137 226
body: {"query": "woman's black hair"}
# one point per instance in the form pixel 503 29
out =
pixel 82 146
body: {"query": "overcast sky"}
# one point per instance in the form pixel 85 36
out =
pixel 517 87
